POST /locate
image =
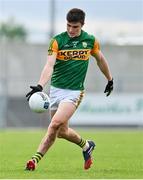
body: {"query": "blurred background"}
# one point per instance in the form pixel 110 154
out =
pixel 26 27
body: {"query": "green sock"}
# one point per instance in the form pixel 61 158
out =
pixel 37 157
pixel 82 143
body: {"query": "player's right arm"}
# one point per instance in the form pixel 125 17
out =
pixel 51 59
pixel 48 69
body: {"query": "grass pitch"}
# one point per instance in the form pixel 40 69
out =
pixel 119 154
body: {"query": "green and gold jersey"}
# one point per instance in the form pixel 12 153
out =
pixel 72 59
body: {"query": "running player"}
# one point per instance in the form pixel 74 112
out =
pixel 66 67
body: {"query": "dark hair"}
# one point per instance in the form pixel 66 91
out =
pixel 76 15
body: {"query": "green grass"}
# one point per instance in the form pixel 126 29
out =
pixel 119 154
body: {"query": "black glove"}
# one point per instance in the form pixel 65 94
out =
pixel 109 88
pixel 35 89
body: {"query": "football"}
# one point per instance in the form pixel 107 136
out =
pixel 39 102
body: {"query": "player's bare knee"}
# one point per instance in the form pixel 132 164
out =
pixel 55 125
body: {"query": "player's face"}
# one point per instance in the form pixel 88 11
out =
pixel 74 29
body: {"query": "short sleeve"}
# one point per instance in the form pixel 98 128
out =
pixel 96 48
pixel 53 47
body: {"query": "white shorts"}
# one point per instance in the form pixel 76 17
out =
pixel 58 95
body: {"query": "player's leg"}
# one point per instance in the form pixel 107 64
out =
pixel 87 145
pixel 31 164
pixel 69 134
pixel 62 115
pixel 52 113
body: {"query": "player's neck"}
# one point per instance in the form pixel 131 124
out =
pixel 76 35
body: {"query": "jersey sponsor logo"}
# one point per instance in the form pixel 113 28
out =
pixel 82 54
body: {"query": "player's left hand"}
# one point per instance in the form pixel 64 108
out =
pixel 109 88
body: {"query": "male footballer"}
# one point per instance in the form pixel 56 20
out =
pixel 66 67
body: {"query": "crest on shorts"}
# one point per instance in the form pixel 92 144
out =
pixel 84 44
